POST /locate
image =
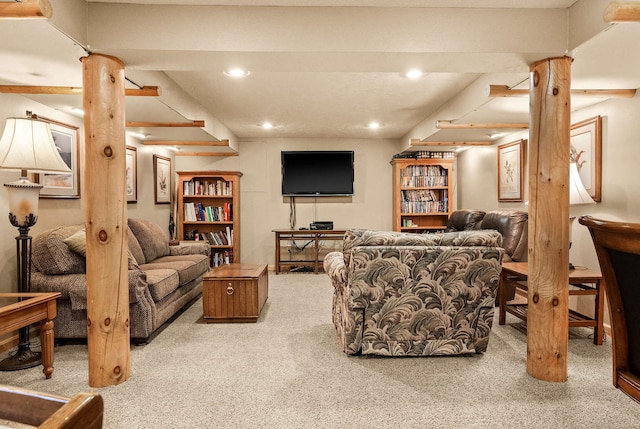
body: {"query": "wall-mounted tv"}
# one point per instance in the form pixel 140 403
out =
pixel 317 173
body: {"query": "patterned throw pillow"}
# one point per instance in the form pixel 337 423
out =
pixel 78 242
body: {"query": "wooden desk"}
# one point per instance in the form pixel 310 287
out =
pixel 18 310
pixel 582 281
pixel 314 235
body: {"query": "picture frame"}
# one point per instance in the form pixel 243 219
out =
pixel 162 179
pixel 511 171
pixel 131 174
pixel 62 185
pixel 586 151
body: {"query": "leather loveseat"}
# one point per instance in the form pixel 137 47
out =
pixel 162 278
pixel 402 294
pixel 512 225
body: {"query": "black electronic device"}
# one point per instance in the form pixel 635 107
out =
pixel 326 225
pixel 317 173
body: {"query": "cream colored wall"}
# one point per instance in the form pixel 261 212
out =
pixel 55 212
pixel 263 208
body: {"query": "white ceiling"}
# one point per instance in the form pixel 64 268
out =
pixel 324 70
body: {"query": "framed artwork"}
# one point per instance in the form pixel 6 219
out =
pixel 162 179
pixel 586 151
pixel 131 168
pixel 62 185
pixel 511 171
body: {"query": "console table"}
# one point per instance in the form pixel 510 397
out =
pixel 582 281
pixel 315 236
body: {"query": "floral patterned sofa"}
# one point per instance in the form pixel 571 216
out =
pixel 401 294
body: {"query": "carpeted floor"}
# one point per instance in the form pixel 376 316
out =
pixel 287 371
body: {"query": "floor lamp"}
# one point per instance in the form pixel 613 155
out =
pixel 26 145
pixel 577 195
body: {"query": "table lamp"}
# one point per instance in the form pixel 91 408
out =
pixel 577 195
pixel 26 145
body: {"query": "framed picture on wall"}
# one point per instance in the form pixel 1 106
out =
pixel 131 168
pixel 511 171
pixel 586 151
pixel 162 179
pixel 62 185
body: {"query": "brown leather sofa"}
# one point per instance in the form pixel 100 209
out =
pixel 512 224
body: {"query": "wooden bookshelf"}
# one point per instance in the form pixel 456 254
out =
pixel 209 210
pixel 422 194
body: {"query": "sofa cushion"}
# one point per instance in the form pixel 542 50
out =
pixel 464 220
pixel 50 254
pixel 512 224
pixel 162 282
pixel 189 267
pixel 134 247
pixel 152 238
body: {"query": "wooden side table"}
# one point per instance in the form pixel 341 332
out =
pixel 235 293
pixel 582 281
pixel 18 310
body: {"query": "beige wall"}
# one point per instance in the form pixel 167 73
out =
pixel 264 209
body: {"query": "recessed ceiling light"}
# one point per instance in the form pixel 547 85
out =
pixel 77 110
pixel 413 74
pixel 141 136
pixel 267 125
pixel 237 72
pixel 374 125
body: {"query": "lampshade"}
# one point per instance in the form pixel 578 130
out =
pixel 27 144
pixel 577 193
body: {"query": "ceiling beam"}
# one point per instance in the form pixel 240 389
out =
pixel 416 142
pixel 26 9
pixel 224 143
pixel 145 91
pixel 505 91
pixel 196 124
pixel 622 11
pixel 206 154
pixel 448 125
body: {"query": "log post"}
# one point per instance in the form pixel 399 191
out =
pixel 106 221
pixel 548 282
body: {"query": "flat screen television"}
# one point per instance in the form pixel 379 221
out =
pixel 309 173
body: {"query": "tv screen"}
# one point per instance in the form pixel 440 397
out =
pixel 307 173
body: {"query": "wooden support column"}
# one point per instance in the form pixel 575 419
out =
pixel 549 148
pixel 106 220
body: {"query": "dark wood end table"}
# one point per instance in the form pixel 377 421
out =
pixel 582 281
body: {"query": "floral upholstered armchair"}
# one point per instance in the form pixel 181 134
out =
pixel 401 294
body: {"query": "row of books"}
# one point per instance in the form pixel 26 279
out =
pixel 423 170
pixel 424 207
pixel 219 258
pixel 207 187
pixel 214 238
pixel 422 181
pixel 422 195
pixel 197 212
pixel 220 238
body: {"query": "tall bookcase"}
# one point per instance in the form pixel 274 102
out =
pixel 422 194
pixel 209 210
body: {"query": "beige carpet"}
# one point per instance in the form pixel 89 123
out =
pixel 287 371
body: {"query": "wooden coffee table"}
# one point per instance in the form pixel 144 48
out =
pixel 235 293
pixel 18 310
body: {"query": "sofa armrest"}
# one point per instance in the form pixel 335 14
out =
pixel 335 267
pixel 190 248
